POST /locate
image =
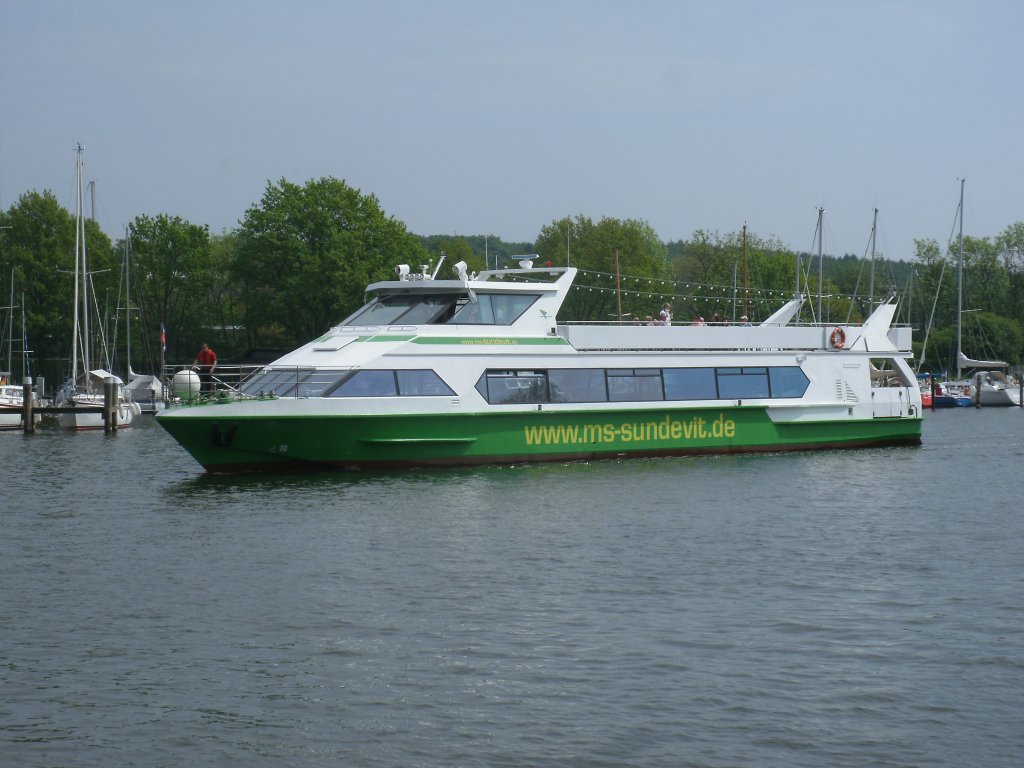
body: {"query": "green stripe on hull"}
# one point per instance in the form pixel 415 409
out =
pixel 222 443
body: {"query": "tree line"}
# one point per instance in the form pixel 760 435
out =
pixel 302 255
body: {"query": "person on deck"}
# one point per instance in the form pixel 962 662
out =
pixel 205 363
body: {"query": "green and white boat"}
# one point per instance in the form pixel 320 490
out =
pixel 476 370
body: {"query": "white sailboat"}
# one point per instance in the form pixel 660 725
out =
pixel 989 384
pixel 12 395
pixel 86 391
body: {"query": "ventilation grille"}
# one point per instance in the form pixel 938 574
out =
pixel 845 393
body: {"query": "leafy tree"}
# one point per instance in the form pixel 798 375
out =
pixel 1010 244
pixel 604 250
pixel 306 253
pixel 37 248
pixel 172 274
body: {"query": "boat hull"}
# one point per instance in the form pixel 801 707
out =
pixel 222 441
pixel 70 416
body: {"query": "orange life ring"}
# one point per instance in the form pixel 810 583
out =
pixel 838 338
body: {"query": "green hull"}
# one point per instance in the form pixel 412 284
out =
pixel 222 442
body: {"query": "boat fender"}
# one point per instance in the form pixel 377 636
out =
pixel 838 338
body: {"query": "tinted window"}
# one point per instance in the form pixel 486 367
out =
pixel 493 309
pixel 690 384
pixel 421 384
pixel 411 309
pixel 788 382
pixel 739 383
pixel 577 386
pixel 367 384
pixel 639 385
pixel 277 382
pixel 505 387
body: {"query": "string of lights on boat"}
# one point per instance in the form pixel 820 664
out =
pixel 688 290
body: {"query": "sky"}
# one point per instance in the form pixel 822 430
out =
pixel 497 118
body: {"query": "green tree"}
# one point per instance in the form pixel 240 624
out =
pixel 306 254
pixel 603 251
pixel 37 248
pixel 172 274
pixel 1010 244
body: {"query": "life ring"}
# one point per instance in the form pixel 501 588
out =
pixel 838 338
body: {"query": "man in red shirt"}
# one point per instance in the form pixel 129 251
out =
pixel 205 362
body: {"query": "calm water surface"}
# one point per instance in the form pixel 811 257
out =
pixel 829 609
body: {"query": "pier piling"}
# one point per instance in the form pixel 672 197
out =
pixel 110 405
pixel 28 402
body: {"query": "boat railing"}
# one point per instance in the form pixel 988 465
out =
pixel 255 381
pixel 226 378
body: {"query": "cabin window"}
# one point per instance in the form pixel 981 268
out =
pixel 788 381
pixel 284 383
pixel 635 384
pixel 367 383
pixel 575 385
pixel 400 383
pixel 505 387
pixel 743 383
pixel 493 309
pixel 421 383
pixel 690 384
pixel 598 385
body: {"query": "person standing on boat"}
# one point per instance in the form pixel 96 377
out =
pixel 205 363
pixel 665 316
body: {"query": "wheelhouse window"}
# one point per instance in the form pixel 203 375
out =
pixel 492 309
pixel 409 309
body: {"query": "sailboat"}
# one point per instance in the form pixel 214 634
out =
pixel 986 386
pixel 147 390
pixel 80 399
pixel 12 395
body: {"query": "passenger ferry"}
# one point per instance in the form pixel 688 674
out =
pixel 476 370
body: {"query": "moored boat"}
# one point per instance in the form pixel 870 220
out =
pixel 12 404
pixel 80 401
pixel 995 388
pixel 952 394
pixel 477 370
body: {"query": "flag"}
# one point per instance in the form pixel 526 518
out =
pixel 163 338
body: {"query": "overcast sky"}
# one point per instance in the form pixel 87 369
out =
pixel 488 117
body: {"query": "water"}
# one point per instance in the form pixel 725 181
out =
pixel 842 609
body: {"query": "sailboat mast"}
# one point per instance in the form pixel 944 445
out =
pixel 78 267
pixel 86 350
pixel 821 268
pixel 10 329
pixel 871 289
pixel 746 281
pixel 960 281
pixel 127 310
